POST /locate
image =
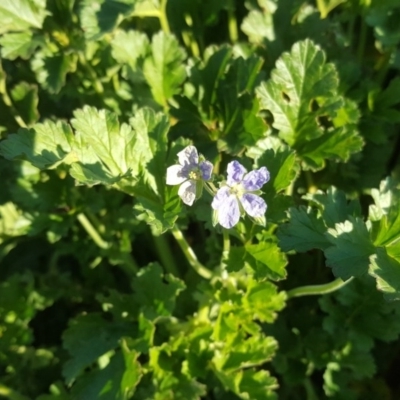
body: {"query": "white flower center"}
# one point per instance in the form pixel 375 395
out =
pixel 194 174
pixel 237 190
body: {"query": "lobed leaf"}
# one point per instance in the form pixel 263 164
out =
pixel 302 97
pixel 111 142
pixel 19 44
pixel 51 69
pixel 334 206
pixel 156 296
pixel 267 261
pixel 20 15
pixel 102 16
pixel 163 69
pixel 349 255
pixel 85 347
pixel 386 271
pixel 304 231
pixel 43 145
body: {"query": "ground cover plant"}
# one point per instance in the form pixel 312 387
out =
pixel 199 199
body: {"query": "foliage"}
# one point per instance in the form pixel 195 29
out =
pixel 111 287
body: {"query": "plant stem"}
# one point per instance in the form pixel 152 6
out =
pixel 311 395
pixel 350 31
pixel 146 14
pixel 190 255
pixel 383 67
pixel 163 17
pixel 212 186
pixel 208 188
pixel 96 222
pixel 188 37
pixel 313 290
pixel 92 232
pixel 289 189
pixel 129 262
pixel 232 26
pixel 225 247
pixel 362 42
pixel 7 100
pixel 11 394
pixel 165 254
pixel 97 85
pixel 311 188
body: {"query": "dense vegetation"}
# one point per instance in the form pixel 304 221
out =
pixel 276 276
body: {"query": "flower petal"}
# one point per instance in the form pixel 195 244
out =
pixel 256 179
pixel 187 192
pixel 254 205
pixel 235 173
pixel 175 175
pixel 206 170
pixel 220 197
pixel 188 156
pixel 227 207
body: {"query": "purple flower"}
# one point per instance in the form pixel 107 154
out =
pixel 189 173
pixel 240 195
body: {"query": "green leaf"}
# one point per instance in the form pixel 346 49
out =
pixel 352 247
pixel 258 385
pixel 386 232
pixel 248 383
pixel 267 260
pixel 58 392
pixel 242 125
pixel 102 16
pixel 385 198
pixel 43 145
pixel 245 352
pixel 129 47
pixel 20 15
pixel 278 206
pixel 237 107
pixel 386 271
pixel 87 338
pixel 111 142
pixel 336 144
pixel 302 97
pixel 240 308
pixel 300 77
pixel 383 18
pixel 164 69
pixel 264 258
pixel 389 229
pixel 89 170
pixel 132 154
pixel 156 293
pixel 25 98
pixel 334 206
pixel 150 148
pixel 304 231
pixel 263 301
pixel 259 26
pixel 384 106
pixel 280 161
pixel 236 259
pixel 52 69
pixel 283 166
pixel 168 380
pixel 371 316
pixel 19 44
pixel 117 381
pixel 161 216
pixel 212 72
